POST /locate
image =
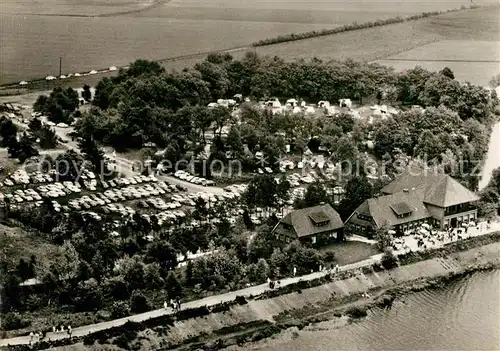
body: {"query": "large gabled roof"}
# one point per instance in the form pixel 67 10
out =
pixel 381 208
pixel 439 189
pixel 303 225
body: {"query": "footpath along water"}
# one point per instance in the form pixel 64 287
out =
pixel 463 316
pixel 492 157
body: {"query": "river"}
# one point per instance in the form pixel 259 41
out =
pixel 463 316
pixel 492 158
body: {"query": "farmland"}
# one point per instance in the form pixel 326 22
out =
pixel 473 61
pixel 94 35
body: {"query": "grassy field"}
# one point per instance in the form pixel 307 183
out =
pixel 472 61
pixel 352 251
pixel 15 244
pixel 34 35
pixel 453 50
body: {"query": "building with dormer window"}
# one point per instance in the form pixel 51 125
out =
pixel 416 197
pixel 318 225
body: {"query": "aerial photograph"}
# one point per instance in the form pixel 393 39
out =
pixel 250 175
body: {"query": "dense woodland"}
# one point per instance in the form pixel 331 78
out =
pixel 144 104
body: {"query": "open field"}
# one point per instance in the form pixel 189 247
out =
pixel 94 35
pixel 472 61
pixel 373 43
pixel 454 50
pixel 15 244
pixel 352 251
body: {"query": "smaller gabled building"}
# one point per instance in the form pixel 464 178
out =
pixel 318 225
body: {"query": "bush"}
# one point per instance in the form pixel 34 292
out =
pixel 356 312
pixel 240 300
pixel 120 309
pixel 389 260
pixel 351 27
pixel 13 321
pixel 139 303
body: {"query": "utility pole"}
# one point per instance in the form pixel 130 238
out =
pixel 60 66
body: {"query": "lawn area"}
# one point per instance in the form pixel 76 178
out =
pixel 15 244
pixel 9 164
pixel 352 251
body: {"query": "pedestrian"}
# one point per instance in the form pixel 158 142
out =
pixel 53 329
pixel 165 305
pixel 70 330
pixel 31 337
pixel 294 271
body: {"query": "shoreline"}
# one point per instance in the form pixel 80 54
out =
pixel 259 317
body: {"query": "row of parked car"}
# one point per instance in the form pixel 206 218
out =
pixel 114 183
pixel 183 175
pixel 18 177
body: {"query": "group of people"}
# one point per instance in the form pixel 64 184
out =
pixel 175 304
pixel 38 336
pixel 427 237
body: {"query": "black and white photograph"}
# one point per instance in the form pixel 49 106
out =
pixel 250 175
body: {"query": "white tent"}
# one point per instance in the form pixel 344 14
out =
pixel 345 103
pixel 77 74
pixel 93 72
pixel 112 68
pixel 50 78
pixel 23 82
pixel 310 110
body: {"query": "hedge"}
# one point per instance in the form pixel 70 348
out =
pixel 352 27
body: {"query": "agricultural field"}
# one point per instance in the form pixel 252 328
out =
pixel 472 61
pixel 98 34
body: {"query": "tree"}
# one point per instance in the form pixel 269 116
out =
pixel 384 237
pixel 357 190
pixel 58 105
pixel 264 191
pixel 447 72
pixel 315 195
pixel 8 131
pixel 47 137
pixel 163 253
pixel 24 149
pixel 278 263
pixel 86 93
pixel 92 153
pixel 494 81
pixel 139 303
pixel 261 271
pixel 173 286
pixel 120 309
pixel 262 245
pixel 14 320
pixel 69 165
pixel 304 259
pixel 389 260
